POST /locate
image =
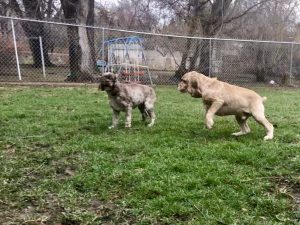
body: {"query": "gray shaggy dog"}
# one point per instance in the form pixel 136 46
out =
pixel 125 97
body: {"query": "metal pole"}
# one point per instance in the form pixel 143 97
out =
pixel 103 46
pixel 42 56
pixel 16 49
pixel 291 63
pixel 209 58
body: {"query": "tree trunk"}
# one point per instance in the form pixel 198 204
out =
pixel 194 58
pixel 86 65
pixel 86 40
pixel 195 27
pixel 33 30
pixel 74 53
pixel 80 50
pixel 204 65
pixel 90 31
pixel 182 68
pixel 261 66
pixel 207 27
pixel 70 8
pixel 193 22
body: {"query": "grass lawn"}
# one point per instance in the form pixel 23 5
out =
pixel 61 165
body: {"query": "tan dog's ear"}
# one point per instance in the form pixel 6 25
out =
pixel 194 83
pixel 194 87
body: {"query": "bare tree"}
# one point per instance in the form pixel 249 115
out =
pixel 132 15
pixel 4 10
pixel 204 18
pixel 274 20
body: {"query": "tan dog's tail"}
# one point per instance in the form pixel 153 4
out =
pixel 264 98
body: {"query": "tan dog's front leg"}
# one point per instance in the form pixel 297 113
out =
pixel 210 113
pixel 115 119
pixel 128 117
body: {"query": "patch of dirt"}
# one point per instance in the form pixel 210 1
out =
pixel 289 189
pixel 296 195
pixel 9 150
pixel 30 213
pixel 110 213
pixel 42 146
pixel 54 211
pixel 63 172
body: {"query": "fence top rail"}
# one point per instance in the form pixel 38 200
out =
pixel 148 33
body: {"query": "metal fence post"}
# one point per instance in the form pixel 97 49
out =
pixel 16 49
pixel 103 37
pixel 210 53
pixel 42 56
pixel 291 62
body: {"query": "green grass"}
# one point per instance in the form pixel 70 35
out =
pixel 60 164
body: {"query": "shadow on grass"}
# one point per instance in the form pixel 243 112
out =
pixel 196 132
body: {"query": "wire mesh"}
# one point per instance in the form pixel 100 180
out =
pixel 8 69
pixel 56 52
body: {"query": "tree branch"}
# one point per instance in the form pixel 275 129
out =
pixel 246 11
pixel 16 7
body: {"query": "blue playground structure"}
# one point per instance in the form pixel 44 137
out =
pixel 126 57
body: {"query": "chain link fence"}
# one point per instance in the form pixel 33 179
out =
pixel 36 51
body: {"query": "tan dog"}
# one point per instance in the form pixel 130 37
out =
pixel 222 99
pixel 125 97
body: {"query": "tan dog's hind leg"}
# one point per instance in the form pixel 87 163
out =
pixel 128 117
pixel 242 121
pixel 115 119
pixel 259 116
pixel 210 113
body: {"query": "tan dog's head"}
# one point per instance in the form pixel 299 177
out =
pixel 191 83
pixel 108 81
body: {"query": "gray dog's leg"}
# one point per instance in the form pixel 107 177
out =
pixel 149 108
pixel 128 117
pixel 152 116
pixel 143 111
pixel 115 119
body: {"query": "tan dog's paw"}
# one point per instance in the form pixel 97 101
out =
pixel 209 122
pixel 240 133
pixel 209 125
pixel 268 137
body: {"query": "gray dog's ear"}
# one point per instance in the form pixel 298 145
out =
pixel 111 76
pixel 114 76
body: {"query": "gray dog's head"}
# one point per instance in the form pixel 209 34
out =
pixel 108 81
